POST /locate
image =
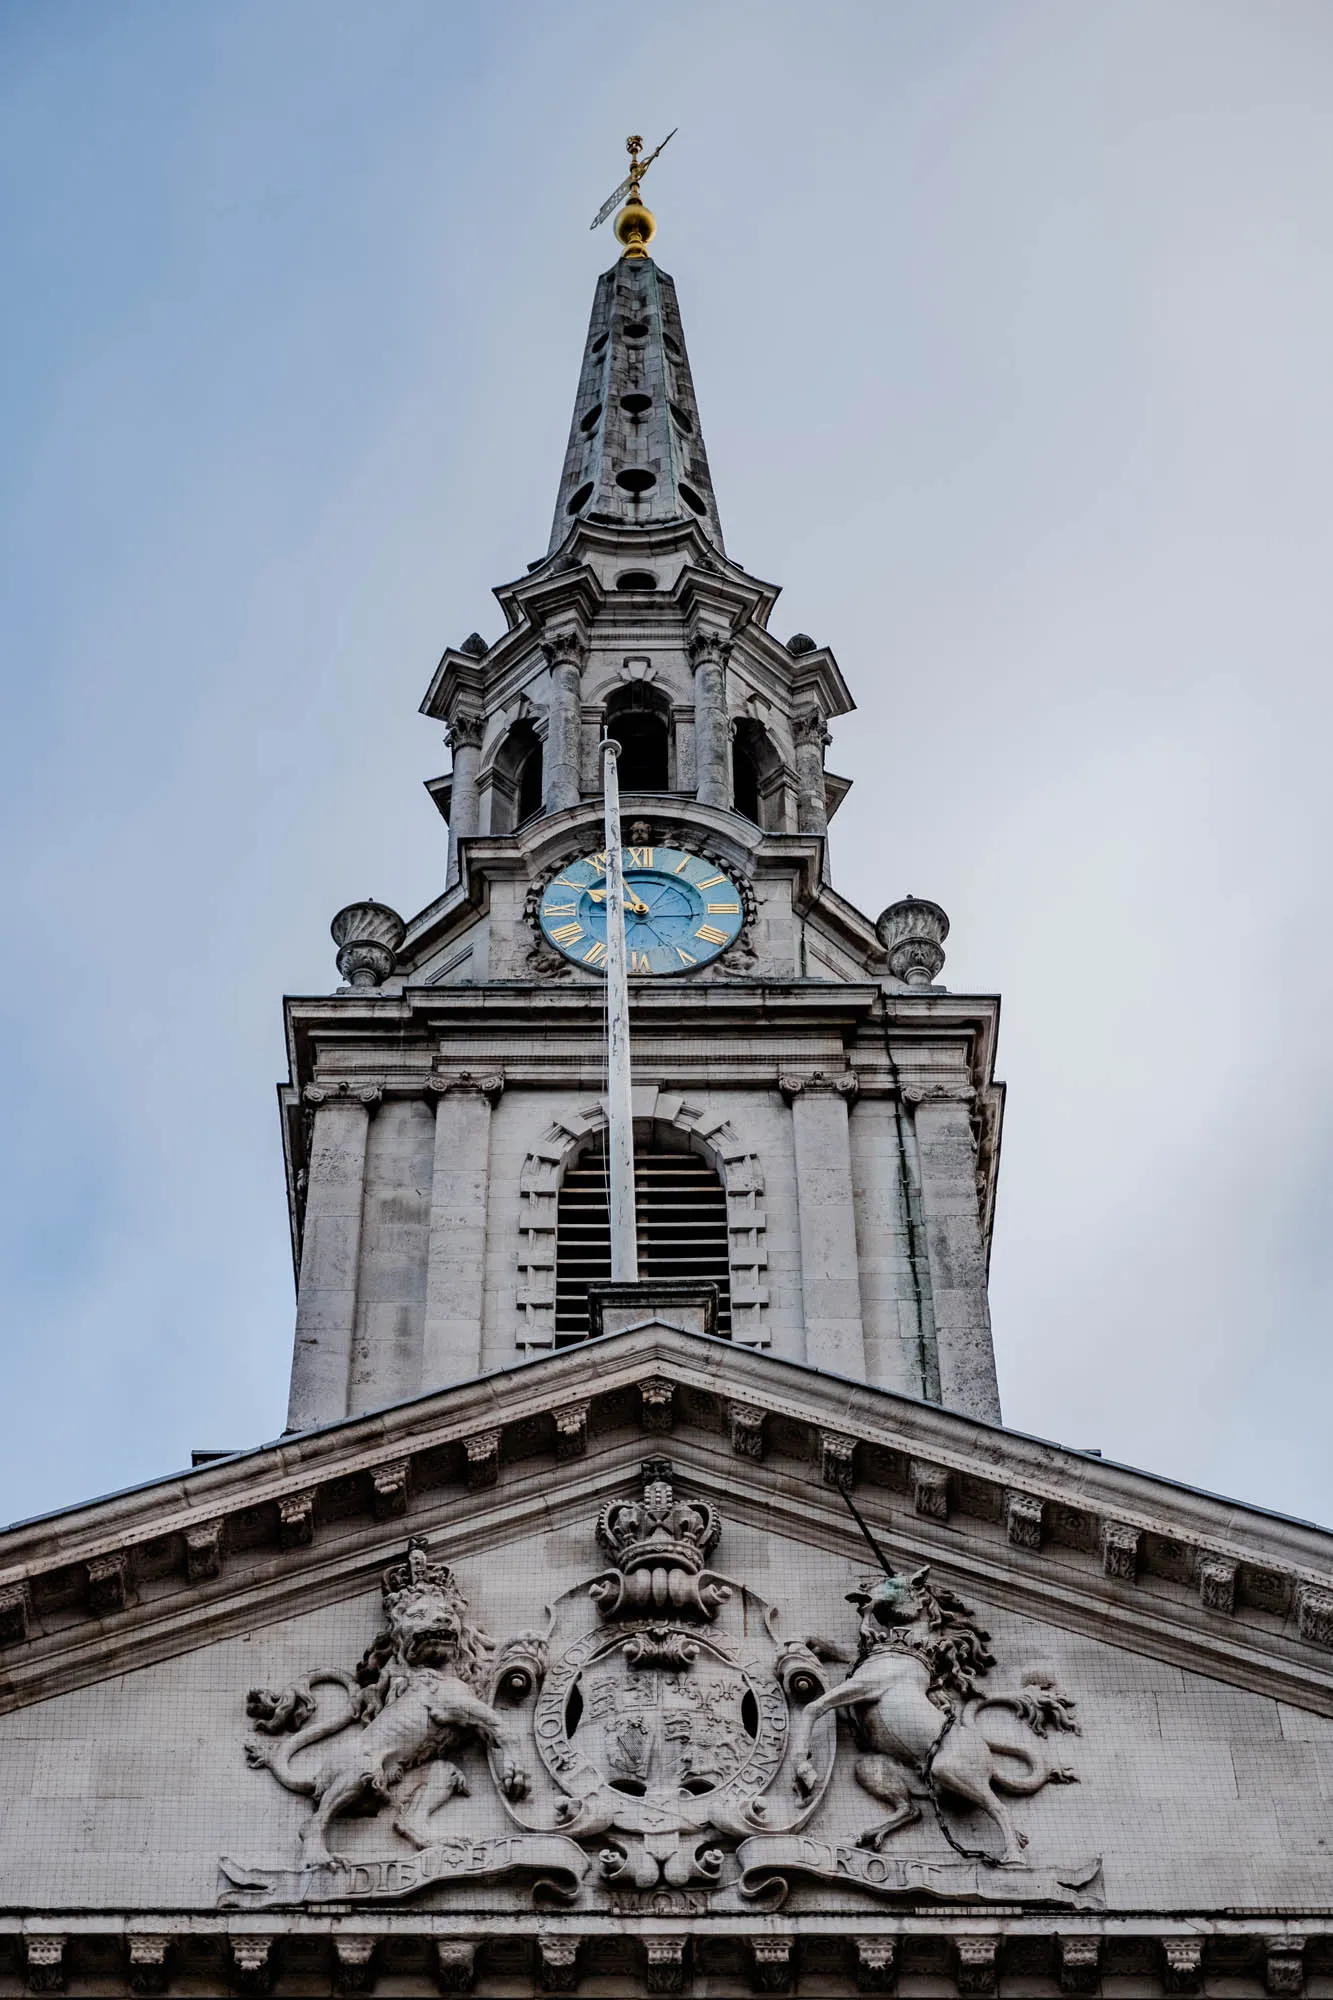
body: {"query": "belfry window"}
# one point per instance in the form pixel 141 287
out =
pixel 681 1207
pixel 756 775
pixel 517 779
pixel 638 718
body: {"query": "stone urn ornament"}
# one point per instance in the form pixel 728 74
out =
pixel 913 933
pixel 367 936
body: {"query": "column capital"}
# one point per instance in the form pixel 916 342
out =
pixel 567 648
pixel 938 1093
pixel 465 731
pixel 817 1083
pixel 488 1084
pixel 366 1094
pixel 709 648
pixel 808 726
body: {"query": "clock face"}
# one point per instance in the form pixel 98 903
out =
pixel 680 911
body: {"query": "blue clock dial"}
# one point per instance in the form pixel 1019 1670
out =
pixel 680 911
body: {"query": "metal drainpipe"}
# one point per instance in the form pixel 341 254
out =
pixel 927 1361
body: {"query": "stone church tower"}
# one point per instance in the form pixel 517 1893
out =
pixel 703 1634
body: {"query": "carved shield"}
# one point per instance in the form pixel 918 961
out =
pixel 655 1729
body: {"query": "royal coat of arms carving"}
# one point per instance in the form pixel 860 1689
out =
pixel 662 1737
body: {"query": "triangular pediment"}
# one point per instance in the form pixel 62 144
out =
pixel 658 1532
pixel 1204 1581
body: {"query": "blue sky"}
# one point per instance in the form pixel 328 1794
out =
pixel 1010 326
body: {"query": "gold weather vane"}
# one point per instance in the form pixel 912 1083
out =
pixel 634 225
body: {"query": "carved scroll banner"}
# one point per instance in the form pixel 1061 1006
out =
pixel 558 1864
pixel 765 1865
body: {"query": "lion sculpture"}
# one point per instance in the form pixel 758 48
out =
pixel 415 1695
pixel 925 1726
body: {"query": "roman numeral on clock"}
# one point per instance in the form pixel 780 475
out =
pixel 567 933
pixel 723 909
pixel 711 934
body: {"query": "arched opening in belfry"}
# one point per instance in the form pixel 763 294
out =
pixel 638 718
pixel 681 1208
pixel 516 779
pixel 756 775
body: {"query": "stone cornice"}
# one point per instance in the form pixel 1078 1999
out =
pixel 1091 1546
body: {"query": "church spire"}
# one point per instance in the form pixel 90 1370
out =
pixel 636 455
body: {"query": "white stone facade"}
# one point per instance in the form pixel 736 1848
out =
pixel 656 1663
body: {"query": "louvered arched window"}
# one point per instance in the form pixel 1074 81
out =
pixel 682 1225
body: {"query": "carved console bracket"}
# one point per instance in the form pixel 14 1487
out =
pixel 1080 1964
pixel 571 1431
pixel 1182 1965
pixel 45 1964
pixel 15 1613
pixel 876 1965
pixel 837 1459
pixel 390 1484
pixel 456 1965
pixel 1024 1520
pixel 773 1965
pixel 666 1969
pixel 1217 1584
pixel 930 1490
pixel 251 1966
pixel 355 1969
pixel 1314 1614
pixel 976 1964
pixel 203 1552
pixel 745 1423
pixel 108 1584
pixel 296 1520
pixel 557 1964
pixel 657 1404
pixel 150 1964
pixel 483 1458
pixel 1120 1550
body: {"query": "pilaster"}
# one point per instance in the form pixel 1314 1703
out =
pixel 456 1260
pixel 830 1284
pixel 330 1255
pixel 955 1250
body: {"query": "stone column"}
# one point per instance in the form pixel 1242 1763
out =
pixel 811 738
pixel 712 738
pixel 465 734
pixel 564 655
pixel 456 1259
pixel 330 1255
pixel 830 1284
pixel 956 1253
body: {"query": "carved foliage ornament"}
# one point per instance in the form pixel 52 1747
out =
pixel 662 1737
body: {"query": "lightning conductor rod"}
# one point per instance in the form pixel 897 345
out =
pixel 620 1105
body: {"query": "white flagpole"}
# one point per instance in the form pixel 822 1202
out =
pixel 620 1104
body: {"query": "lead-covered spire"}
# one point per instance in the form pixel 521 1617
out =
pixel 636 456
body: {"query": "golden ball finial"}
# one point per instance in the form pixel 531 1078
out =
pixel 635 226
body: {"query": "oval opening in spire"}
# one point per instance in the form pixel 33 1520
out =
pixel 634 405
pixel 691 498
pixel 588 422
pixel 580 499
pixel 637 479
